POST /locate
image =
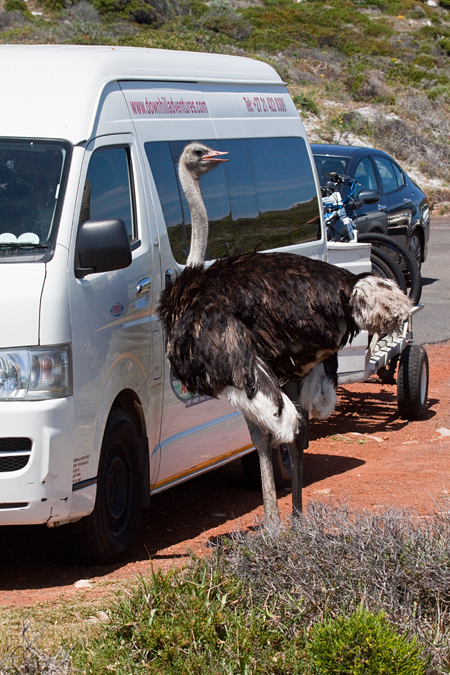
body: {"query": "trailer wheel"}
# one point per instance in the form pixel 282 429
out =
pixel 281 468
pixel 107 533
pixel 412 382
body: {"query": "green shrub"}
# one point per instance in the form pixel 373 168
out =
pixel 16 6
pixel 306 103
pixel 444 43
pixel 222 18
pixel 362 644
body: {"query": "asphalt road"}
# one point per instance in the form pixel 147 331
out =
pixel 432 324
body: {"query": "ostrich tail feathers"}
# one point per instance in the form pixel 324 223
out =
pixel 379 306
pixel 318 393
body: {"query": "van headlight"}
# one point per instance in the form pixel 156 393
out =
pixel 35 373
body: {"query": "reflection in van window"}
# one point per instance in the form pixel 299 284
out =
pixel 264 197
pixel 107 191
pixel 31 191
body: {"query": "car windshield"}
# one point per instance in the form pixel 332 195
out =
pixel 32 174
pixel 327 164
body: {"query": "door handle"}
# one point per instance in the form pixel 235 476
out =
pixel 406 200
pixel 144 286
pixel 382 207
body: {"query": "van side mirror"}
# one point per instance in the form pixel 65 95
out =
pixel 368 196
pixel 102 246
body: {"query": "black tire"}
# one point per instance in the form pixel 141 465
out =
pixel 384 266
pixel 281 468
pixel 412 382
pixel 402 256
pixel 107 533
pixel 415 247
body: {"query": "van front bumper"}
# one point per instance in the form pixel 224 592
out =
pixel 36 461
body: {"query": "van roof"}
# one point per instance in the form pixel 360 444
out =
pixel 52 91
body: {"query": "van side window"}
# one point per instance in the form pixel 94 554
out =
pixel 286 191
pixel 263 197
pixel 108 188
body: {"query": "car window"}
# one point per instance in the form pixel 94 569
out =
pixel 389 177
pixel 398 175
pixel 325 164
pixel 365 175
pixel 107 190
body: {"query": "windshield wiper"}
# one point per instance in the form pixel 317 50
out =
pixel 21 244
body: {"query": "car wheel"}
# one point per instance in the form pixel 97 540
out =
pixel 384 266
pixel 108 532
pixel 402 256
pixel 415 246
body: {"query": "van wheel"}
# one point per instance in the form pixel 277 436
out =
pixel 281 468
pixel 108 532
pixel 412 382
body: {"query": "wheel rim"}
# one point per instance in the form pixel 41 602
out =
pixel 423 384
pixel 416 248
pixel 116 492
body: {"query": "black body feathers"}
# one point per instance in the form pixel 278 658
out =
pixel 222 321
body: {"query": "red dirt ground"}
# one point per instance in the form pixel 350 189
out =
pixel 364 453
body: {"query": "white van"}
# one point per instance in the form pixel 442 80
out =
pixel 93 223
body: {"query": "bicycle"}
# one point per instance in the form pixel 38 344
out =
pixel 389 258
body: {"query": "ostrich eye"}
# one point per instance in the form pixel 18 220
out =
pixel 199 153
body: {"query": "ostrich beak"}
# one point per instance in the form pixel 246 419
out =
pixel 213 156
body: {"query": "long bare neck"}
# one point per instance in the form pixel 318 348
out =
pixel 199 217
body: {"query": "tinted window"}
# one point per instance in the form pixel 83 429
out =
pixel 107 191
pixel 325 164
pixel 263 197
pixel 399 176
pixel 365 175
pixel 388 176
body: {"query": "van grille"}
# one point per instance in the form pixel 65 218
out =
pixel 14 453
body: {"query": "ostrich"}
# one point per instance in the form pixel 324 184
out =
pixel 257 326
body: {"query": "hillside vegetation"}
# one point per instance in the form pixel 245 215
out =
pixel 373 72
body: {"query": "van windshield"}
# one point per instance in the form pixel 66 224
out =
pixel 32 174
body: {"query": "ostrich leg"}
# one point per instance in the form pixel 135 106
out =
pixel 263 445
pixel 296 448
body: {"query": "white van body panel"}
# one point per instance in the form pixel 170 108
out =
pixel 55 91
pixel 112 331
pixel 20 304
pixel 41 491
pixel 97 98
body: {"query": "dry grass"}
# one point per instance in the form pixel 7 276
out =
pixel 336 560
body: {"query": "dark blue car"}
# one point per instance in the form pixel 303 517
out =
pixel 402 210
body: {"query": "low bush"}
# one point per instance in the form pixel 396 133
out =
pixel 305 103
pixel 361 644
pixel 336 560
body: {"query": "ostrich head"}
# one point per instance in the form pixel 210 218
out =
pixel 197 159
